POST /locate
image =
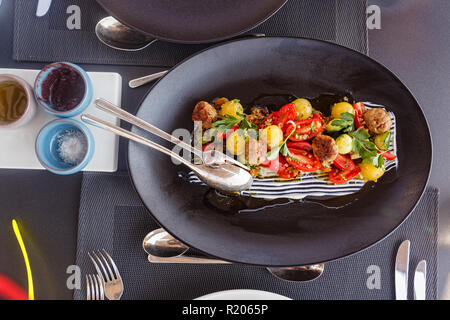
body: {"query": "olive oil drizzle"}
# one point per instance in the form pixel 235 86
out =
pixel 13 101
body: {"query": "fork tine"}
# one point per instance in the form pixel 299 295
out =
pixel 97 293
pixel 101 264
pixel 102 293
pixel 112 263
pixel 113 276
pixel 88 289
pixel 95 265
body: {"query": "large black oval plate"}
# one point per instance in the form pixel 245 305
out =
pixel 298 233
pixel 192 21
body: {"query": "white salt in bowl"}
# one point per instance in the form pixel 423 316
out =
pixel 64 146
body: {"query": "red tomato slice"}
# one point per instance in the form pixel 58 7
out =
pixel 388 156
pixel 280 117
pixel 299 145
pixel 303 160
pixel 285 171
pixel 280 167
pixel 342 176
pixel 288 173
pixel 359 110
pixel 209 147
pixel 344 162
pixel 272 165
pixel 305 129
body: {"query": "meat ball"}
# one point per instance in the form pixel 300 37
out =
pixel 325 149
pixel 377 120
pixel 205 113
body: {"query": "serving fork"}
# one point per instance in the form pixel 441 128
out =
pixel 108 273
pixel 94 288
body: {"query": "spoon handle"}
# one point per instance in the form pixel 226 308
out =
pixel 109 107
pixel 143 80
pixel 132 136
pixel 185 259
pixel 128 117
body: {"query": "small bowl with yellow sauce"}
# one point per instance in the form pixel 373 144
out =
pixel 17 104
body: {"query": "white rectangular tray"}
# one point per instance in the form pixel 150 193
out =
pixel 17 146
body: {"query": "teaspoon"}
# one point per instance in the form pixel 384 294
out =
pixel 162 247
pixel 116 35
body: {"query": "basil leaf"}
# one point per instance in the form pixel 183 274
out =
pixel 347 116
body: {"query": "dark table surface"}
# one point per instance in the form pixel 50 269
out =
pixel 413 42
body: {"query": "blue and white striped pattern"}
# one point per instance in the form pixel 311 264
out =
pixel 311 184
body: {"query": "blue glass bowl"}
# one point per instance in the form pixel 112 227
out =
pixel 84 103
pixel 47 145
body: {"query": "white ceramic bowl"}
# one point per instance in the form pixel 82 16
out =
pixel 30 111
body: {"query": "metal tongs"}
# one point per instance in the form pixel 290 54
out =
pixel 218 169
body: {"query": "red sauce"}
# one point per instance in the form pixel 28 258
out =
pixel 63 89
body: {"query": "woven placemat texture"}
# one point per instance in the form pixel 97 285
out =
pixel 112 217
pixel 49 38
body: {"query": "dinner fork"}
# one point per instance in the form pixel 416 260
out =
pixel 94 288
pixel 113 284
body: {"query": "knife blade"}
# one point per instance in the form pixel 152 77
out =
pixel 420 281
pixel 42 7
pixel 401 271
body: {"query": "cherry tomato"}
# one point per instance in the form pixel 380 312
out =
pixel 388 156
pixel 344 162
pixel 342 176
pixel 280 117
pixel 303 160
pixel 359 111
pixel 299 145
pixel 305 129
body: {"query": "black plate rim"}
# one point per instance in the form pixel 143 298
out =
pixel 270 14
pixel 336 257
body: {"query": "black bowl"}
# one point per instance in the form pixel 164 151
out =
pixel 298 233
pixel 192 21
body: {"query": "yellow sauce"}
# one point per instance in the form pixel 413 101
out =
pixel 13 101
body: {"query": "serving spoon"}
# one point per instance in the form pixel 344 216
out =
pixel 218 170
pixel 162 247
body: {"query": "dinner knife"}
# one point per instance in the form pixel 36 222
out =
pixel 420 281
pixel 42 7
pixel 401 271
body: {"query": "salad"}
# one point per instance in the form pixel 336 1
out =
pixel 350 142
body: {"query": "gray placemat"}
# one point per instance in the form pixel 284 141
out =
pixel 112 217
pixel 49 39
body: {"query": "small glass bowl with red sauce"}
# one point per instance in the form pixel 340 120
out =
pixel 63 89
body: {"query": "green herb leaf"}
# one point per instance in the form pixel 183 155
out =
pixel 273 154
pixel 367 150
pixel 387 140
pixel 282 148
